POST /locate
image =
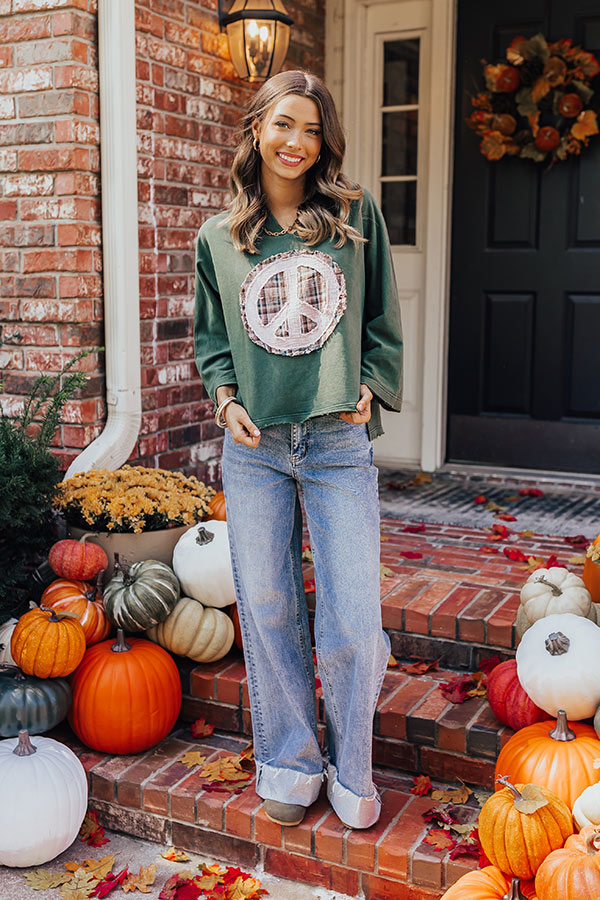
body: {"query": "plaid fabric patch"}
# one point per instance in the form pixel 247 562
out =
pixel 292 302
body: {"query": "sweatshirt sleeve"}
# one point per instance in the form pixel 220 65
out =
pixel 382 347
pixel 211 343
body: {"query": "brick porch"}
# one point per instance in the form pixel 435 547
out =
pixel 456 604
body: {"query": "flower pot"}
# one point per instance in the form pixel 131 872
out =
pixel 133 547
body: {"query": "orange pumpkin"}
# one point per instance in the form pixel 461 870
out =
pixel 47 643
pixel 85 601
pixel 237 631
pixel 489 884
pixel 552 754
pixel 77 559
pixel 591 570
pixel 547 139
pixel 574 871
pixel 126 695
pixel 515 841
pixel 216 509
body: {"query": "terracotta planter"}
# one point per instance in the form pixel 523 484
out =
pixel 134 547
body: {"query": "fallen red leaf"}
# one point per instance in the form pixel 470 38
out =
pixel 531 492
pixel 109 883
pixel 438 838
pixel 499 532
pixel 318 682
pixel 506 517
pixel 490 549
pixel 480 499
pixel 441 815
pixel 421 785
pixel 213 787
pixel 483 860
pixel 486 665
pixel 414 529
pixel 91 830
pixel 515 554
pixel 464 847
pixel 309 586
pixel 579 540
pixel 420 667
pixel 553 561
pixel 200 728
pixel 176 885
pixel 411 554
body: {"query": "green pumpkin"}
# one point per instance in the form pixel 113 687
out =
pixel 35 704
pixel 140 596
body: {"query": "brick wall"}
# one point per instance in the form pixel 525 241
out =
pixel 189 102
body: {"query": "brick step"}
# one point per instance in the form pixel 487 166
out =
pixel 415 730
pixel 155 796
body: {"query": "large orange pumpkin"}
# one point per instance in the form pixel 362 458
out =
pixel 85 601
pixel 216 509
pixel 572 873
pixel 47 643
pixel 517 842
pixel 490 884
pixel 126 695
pixel 553 754
pixel 77 559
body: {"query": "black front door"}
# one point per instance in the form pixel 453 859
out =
pixel 524 376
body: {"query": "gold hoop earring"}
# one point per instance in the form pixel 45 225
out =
pixel 255 144
pixel 317 159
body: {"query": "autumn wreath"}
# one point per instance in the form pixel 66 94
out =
pixel 538 104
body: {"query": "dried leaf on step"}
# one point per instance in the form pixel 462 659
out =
pixel 201 728
pixel 438 838
pixel 309 586
pixel 481 796
pixel 515 554
pixel 480 498
pixel 462 830
pixel 307 554
pixel 208 880
pixel 243 888
pixel 227 768
pixel 80 886
pixel 142 881
pixel 531 492
pixel 192 758
pixel 467 846
pixel 99 868
pixel 414 529
pixel 512 498
pixel 179 880
pixel 506 517
pixel 532 799
pixel 421 785
pixel 392 662
pixel 92 831
pixel 42 880
pixel 491 506
pixel 533 563
pixel 578 540
pixel 411 554
pixel 454 795
pixel 527 533
pixel 247 752
pixel 488 664
pixel 576 560
pixel 479 688
pixel 420 667
pixel 385 572
pixel 421 478
pixel 175 855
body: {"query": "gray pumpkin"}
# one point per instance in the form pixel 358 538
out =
pixel 140 596
pixel 35 704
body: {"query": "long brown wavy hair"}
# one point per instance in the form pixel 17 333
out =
pixel 325 210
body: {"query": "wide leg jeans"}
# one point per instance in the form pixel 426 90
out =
pixel 331 463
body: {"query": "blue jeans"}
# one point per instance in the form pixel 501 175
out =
pixel 331 463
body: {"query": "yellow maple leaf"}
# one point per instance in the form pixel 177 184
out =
pixel 385 572
pixel 41 880
pixel 142 881
pixel 99 868
pixel 242 888
pixel 248 752
pixel 175 855
pixel 585 125
pixel 454 795
pixel 208 881
pixel 227 768
pixel 192 758
pixel 392 662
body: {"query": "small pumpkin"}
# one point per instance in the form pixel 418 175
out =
pixel 520 824
pixel 126 695
pixel 558 664
pixel 547 139
pixel 591 569
pixel 216 507
pixel 85 601
pixel 6 631
pixel 586 809
pixel 141 595
pixel 44 799
pixel 573 872
pixel 204 634
pixel 553 591
pixel 508 79
pixel 48 643
pixel 489 884
pixel 570 105
pixel 77 560
pixel 552 754
pixel 202 563
pixel 34 704
pixel 509 702
pixel 237 628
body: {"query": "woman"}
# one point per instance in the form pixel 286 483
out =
pixel 298 341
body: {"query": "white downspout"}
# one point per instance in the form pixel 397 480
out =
pixel 118 159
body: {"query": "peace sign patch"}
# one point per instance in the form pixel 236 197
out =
pixel 291 302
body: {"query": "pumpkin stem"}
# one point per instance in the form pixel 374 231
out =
pixel 555 588
pixel 514 891
pixel 503 779
pixel 57 615
pixel 562 732
pixel 24 746
pixel 91 594
pixel 53 617
pixel 557 643
pixel 119 567
pixel 204 536
pixel 590 842
pixel 120 645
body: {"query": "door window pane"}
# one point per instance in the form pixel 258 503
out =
pixel 401 72
pixel 399 143
pixel 399 207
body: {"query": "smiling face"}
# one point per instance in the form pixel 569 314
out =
pixel 290 137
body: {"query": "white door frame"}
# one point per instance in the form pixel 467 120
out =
pixel 438 177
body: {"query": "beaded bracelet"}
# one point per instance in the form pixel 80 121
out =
pixel 219 420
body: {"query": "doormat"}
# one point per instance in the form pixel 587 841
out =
pixel 449 499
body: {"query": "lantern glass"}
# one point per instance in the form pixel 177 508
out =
pixel 257 46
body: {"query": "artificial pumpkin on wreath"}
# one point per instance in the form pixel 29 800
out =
pixel 126 695
pixel 142 595
pixel 85 601
pixel 203 634
pixel 35 704
pixel 48 643
pixel 509 702
pixel 558 664
pixel 44 799
pixel 520 824
pixel 573 872
pixel 553 591
pixel 490 884
pixel 554 755
pixel 77 560
pixel 202 562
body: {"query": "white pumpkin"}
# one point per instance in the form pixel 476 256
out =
pixel 553 591
pixel 586 809
pixel 203 633
pixel 202 563
pixel 44 799
pixel 6 631
pixel 558 665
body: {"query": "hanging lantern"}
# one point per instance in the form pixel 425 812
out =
pixel 258 32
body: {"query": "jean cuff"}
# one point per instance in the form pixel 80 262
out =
pixel 286 785
pixel 353 810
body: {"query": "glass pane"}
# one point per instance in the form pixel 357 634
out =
pixel 399 207
pixel 401 72
pixel 399 143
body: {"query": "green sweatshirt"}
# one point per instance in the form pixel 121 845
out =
pixel 298 328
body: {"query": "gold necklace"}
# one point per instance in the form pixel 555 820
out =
pixel 284 231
